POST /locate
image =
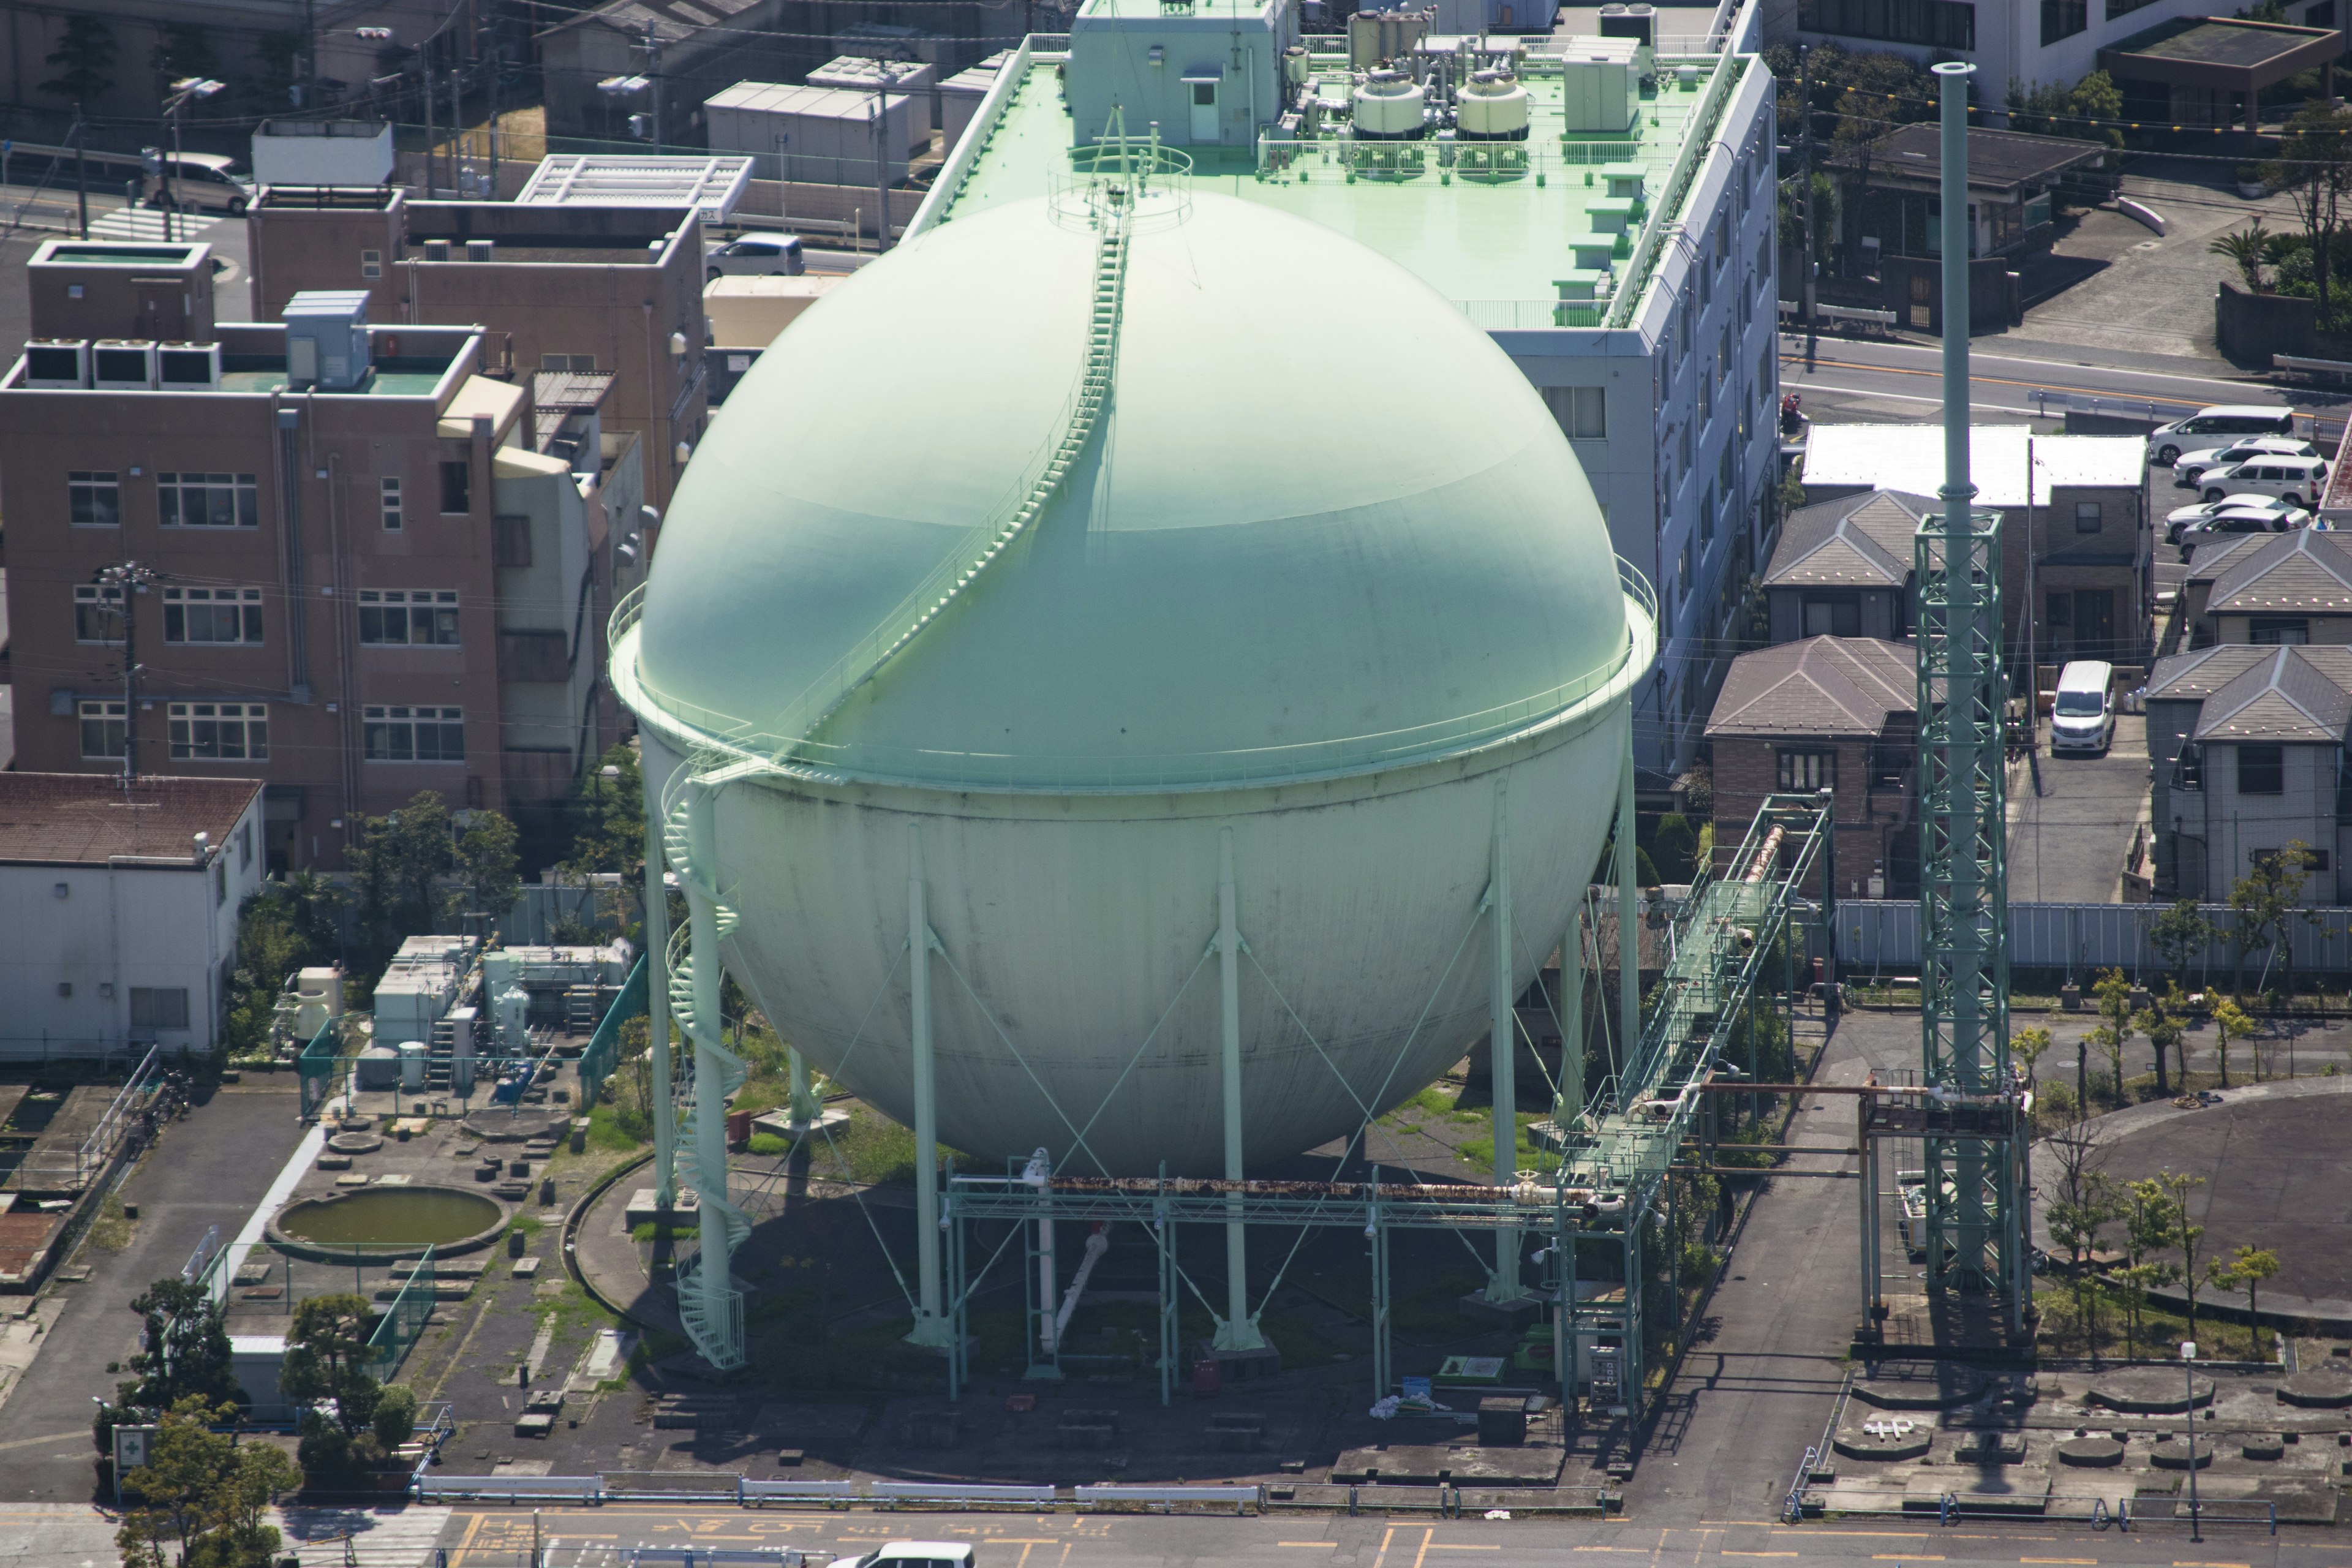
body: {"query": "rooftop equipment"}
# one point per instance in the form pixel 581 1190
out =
pixel 187 367
pixel 1599 87
pixel 1389 107
pixel 122 365
pixel 1493 108
pixel 1375 37
pixel 327 339
pixel 56 362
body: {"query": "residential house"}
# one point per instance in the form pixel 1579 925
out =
pixel 1826 712
pixel 2280 588
pixel 2076 545
pixel 2248 749
pixel 1844 568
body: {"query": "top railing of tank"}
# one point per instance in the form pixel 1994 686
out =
pixel 1073 773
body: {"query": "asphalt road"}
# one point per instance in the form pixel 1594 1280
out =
pixel 2066 845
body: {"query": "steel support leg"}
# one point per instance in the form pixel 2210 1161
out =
pixel 1238 1332
pixel 663 1073
pixel 1629 928
pixel 804 1109
pixel 1569 1105
pixel 713 1274
pixel 1383 1370
pixel 1502 1051
pixel 1163 1236
pixel 931 1326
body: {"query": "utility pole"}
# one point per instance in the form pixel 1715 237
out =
pixel 653 75
pixel 128 579
pixel 1805 146
pixel 81 170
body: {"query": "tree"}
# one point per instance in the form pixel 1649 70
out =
pixel 2164 1030
pixel 2243 249
pixel 2264 902
pixel 608 835
pixel 2179 935
pixel 2314 168
pixel 487 866
pixel 327 1365
pixel 2151 1225
pixel 2085 1201
pixel 184 1348
pixel 2249 1267
pixel 203 1491
pixel 2230 1023
pixel 181 49
pixel 2185 1235
pixel 395 1417
pixel 2114 1031
pixel 1673 846
pixel 396 870
pixel 85 51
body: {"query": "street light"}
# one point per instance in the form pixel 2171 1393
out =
pixel 2188 1377
pixel 186 87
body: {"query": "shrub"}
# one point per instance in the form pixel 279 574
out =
pixel 770 1144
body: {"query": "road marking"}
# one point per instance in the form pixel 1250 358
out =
pixel 1902 1557
pixel 1758 1554
pixel 36 1442
pixel 1876 1534
pixel 1428 1534
pixel 1332 1544
pixel 2076 1562
pixel 1386 1536
pixel 2212 1565
pixel 1448 1546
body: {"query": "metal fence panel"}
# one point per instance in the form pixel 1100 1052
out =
pixel 507 1489
pixel 404 1323
pixel 604 1046
pixel 1880 936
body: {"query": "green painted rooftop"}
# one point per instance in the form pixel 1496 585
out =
pixel 1499 248
pixel 383 384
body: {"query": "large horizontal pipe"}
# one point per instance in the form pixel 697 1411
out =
pixel 1787 1148
pixel 1759 1171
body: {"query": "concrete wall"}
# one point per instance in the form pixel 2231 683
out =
pixel 1875 826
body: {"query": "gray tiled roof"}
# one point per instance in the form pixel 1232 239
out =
pixel 2303 571
pixel 2193 677
pixel 2212 561
pixel 1854 542
pixel 2298 694
pixel 1820 687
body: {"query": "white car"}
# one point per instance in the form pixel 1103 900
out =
pixel 2220 424
pixel 2299 481
pixel 756 255
pixel 915 1554
pixel 2192 465
pixel 2269 514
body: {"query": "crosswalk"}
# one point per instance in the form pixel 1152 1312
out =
pixel 402 1536
pixel 146 225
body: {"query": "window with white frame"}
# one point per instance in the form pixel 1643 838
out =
pixel 371 264
pixel 94 498
pixel 102 728
pixel 389 498
pixel 212 616
pixel 1582 410
pixel 408 618
pixel 158 1008
pixel 392 734
pixel 98 612
pixel 207 500
pixel 220 732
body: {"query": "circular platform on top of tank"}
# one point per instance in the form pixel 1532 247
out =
pixel 499 1125
pixel 355 1142
pixel 386 1223
pixel 1936 1385
pixel 2149 1391
pixel 2321 1388
pixel 1886 1444
pixel 2090 1453
pixel 2276 1159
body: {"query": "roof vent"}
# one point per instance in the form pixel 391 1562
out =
pixel 327 339
pixel 480 249
pixel 437 250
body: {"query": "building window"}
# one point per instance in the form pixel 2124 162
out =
pixel 585 362
pixel 2126 7
pixel 1706 515
pixel 157 1007
pixel 245 847
pixel 102 730
pixel 413 734
pixel 1807 772
pixel 215 615
pixel 2278 631
pixel 1682 452
pixel 2321 16
pixel 2262 769
pixel 2087 517
pixel 391 502
pixel 1582 410
pixel 1683 573
pixel 1935 24
pixel 1834 617
pixel 408 618
pixel 1705 398
pixel 220 732
pixel 98 612
pixel 93 500
pixel 456 487
pixel 371 264
pixel 2063 19
pixel 208 500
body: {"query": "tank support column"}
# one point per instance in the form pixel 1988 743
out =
pixel 713 1277
pixel 1502 1053
pixel 1238 1330
pixel 804 1109
pixel 931 1326
pixel 1568 1106
pixel 664 1087
pixel 1629 928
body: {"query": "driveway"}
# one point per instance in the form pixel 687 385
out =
pixel 2067 844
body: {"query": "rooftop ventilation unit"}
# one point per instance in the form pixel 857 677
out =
pixel 437 250
pixel 482 249
pixel 54 363
pixel 188 367
pixel 122 365
pixel 327 339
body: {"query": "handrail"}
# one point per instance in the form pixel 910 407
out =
pixel 1157 773
pixel 1697 141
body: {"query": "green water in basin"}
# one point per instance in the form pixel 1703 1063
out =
pixel 390 1216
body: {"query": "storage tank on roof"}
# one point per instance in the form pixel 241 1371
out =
pixel 1389 106
pixel 1337 636
pixel 1493 108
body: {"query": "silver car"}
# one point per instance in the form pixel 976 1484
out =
pixel 2263 513
pixel 2193 465
pixel 758 255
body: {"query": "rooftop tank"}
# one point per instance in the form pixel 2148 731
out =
pixel 1353 630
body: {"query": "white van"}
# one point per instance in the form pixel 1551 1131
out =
pixel 2298 481
pixel 2083 719
pixel 915 1554
pixel 200 181
pixel 2216 427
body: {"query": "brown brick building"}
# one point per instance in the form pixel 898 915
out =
pixel 372 570
pixel 613 290
pixel 1826 712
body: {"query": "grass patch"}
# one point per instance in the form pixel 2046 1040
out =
pixel 111 1230
pixel 527 1224
pixel 1480 1150
pixel 654 1230
pixel 1436 1100
pixel 769 1145
pixel 605 1132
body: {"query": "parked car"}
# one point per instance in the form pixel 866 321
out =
pixel 756 255
pixel 200 180
pixel 2219 425
pixel 2267 512
pixel 2298 481
pixel 915 1554
pixel 2083 717
pixel 2186 472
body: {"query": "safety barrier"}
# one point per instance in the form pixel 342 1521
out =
pixel 752 1492
pixel 1861 314
pixel 603 1049
pixel 508 1489
pixel 1167 1499
pixel 964 1495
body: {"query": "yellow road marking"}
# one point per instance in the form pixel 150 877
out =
pixel 1759 1554
pixel 1902 1557
pixel 1449 1546
pixel 1332 1544
pixel 2075 1562
pixel 1427 1535
pixel 36 1442
pixel 1386 1536
pixel 2212 1565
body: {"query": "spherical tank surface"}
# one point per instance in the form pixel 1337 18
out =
pixel 1324 583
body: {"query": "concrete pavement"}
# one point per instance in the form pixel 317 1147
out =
pixel 2067 845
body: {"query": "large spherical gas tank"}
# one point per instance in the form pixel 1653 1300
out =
pixel 1343 634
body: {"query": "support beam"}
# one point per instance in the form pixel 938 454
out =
pixel 931 1327
pixel 1238 1330
pixel 713 1277
pixel 1629 926
pixel 1502 1046
pixel 660 1068
pixel 1568 1106
pixel 804 1106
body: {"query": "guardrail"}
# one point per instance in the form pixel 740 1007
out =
pixel 1863 314
pixel 960 1494
pixel 2312 366
pixel 1167 1500
pixel 508 1489
pixel 752 1492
